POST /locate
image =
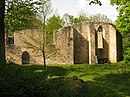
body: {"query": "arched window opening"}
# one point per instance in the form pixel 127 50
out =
pixel 100 37
pixel 100 29
pixel 25 57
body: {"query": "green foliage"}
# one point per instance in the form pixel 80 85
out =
pixel 123 20
pixel 20 15
pixel 53 23
pixel 127 55
pixel 83 18
pixel 119 2
pixel 74 19
pixel 123 24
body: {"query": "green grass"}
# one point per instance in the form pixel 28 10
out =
pixel 100 80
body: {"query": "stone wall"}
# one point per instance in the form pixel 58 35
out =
pixel 63 40
pixel 81 44
pixel 13 54
pixel 112 44
pixel 20 39
pixel 74 44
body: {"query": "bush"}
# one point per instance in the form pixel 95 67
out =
pixel 127 57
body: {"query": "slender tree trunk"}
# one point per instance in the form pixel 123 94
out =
pixel 44 29
pixel 44 36
pixel 2 33
pixel 44 58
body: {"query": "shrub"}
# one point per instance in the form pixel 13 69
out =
pixel 127 58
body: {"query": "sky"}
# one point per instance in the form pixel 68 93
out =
pixel 73 7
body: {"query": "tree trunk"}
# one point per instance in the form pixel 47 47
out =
pixel 44 36
pixel 2 33
pixel 44 58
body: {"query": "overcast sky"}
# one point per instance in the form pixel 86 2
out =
pixel 73 7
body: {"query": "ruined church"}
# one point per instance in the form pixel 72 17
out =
pixel 83 43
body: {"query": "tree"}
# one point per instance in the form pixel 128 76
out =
pixel 53 23
pixel 74 20
pixel 45 9
pixel 42 43
pixel 123 24
pixel 95 2
pixel 99 18
pixel 123 20
pixel 2 33
pixel 119 2
pixel 19 15
pixel 83 17
pixel 92 18
pixel 70 19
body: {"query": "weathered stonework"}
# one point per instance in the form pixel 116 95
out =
pixel 86 43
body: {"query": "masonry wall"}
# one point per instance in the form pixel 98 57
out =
pixel 74 45
pixel 106 41
pixel 81 43
pixel 13 54
pixel 63 40
pixel 20 39
pixel 92 45
pixel 112 45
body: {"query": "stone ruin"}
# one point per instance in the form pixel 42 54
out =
pixel 84 43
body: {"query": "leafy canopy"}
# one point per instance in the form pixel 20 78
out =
pixel 123 24
pixel 119 2
pixel 53 23
pixel 20 14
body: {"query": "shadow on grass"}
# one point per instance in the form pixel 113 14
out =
pixel 27 81
pixel 32 81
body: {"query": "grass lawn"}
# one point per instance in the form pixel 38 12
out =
pixel 80 80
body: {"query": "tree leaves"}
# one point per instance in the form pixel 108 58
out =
pixel 119 2
pixel 20 14
pixel 123 24
pixel 53 23
pixel 95 2
pixel 123 21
